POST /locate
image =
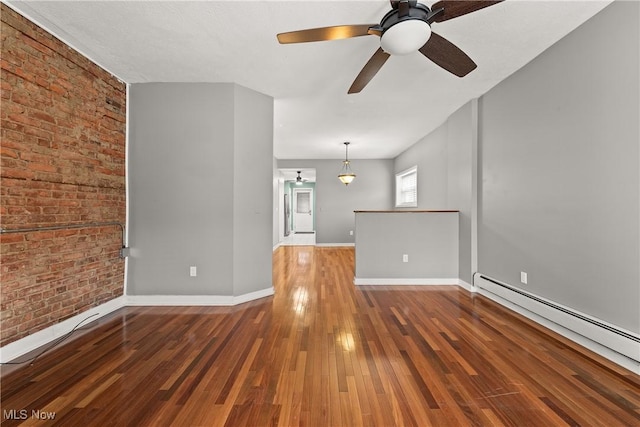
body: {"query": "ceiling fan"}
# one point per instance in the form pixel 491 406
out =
pixel 404 29
pixel 299 179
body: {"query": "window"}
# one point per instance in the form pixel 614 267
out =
pixel 407 188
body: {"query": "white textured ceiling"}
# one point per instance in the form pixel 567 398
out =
pixel 235 41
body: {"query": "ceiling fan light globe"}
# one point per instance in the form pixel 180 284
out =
pixel 405 37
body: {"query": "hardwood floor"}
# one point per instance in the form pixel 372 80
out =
pixel 321 352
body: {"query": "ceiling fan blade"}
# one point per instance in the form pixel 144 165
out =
pixel 447 55
pixel 370 69
pixel 324 33
pixel 455 8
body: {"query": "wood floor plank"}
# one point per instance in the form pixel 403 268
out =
pixel 321 352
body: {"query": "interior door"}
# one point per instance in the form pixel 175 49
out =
pixel 302 210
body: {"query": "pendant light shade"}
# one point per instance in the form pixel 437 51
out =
pixel 346 175
pixel 299 179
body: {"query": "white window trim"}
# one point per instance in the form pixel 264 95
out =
pixel 399 178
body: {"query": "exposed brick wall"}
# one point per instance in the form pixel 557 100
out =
pixel 62 162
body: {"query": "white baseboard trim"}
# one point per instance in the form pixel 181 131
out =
pixel 263 293
pixel 277 246
pixel 361 281
pixel 43 337
pixel 196 300
pixel 465 285
pixel 333 245
pixel 179 300
pixel 622 351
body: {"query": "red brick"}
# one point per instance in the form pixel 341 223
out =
pixel 63 128
pixel 42 116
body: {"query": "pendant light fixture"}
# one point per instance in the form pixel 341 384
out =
pixel 346 174
pixel 299 179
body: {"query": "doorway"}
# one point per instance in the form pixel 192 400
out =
pixel 303 210
pixel 295 223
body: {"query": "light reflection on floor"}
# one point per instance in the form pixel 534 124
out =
pixel 300 300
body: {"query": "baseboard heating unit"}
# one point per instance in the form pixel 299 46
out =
pixel 624 342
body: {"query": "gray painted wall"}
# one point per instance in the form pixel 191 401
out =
pixel 445 181
pixel 430 155
pixel 429 239
pixel 252 191
pixel 335 202
pixel 559 147
pixel 460 140
pixel 191 148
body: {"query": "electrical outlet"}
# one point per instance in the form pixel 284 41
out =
pixel 350 232
pixel 523 277
pixel 405 258
pixel 193 271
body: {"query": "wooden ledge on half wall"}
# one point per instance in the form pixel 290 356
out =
pixel 410 211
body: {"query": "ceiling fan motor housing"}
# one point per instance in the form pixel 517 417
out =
pixel 405 31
